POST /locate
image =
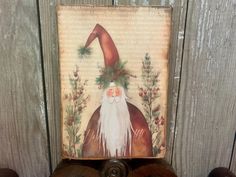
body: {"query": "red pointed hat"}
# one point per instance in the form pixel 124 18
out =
pixel 110 53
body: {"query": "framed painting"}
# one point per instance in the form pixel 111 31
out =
pixel 114 80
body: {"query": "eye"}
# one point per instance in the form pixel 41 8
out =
pixel 118 92
pixel 109 92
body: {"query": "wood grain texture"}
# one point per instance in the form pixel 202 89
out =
pixel 51 71
pixel 132 2
pixel 136 2
pixel 233 163
pixel 163 2
pixel 146 2
pixel 23 139
pixel 48 21
pixel 206 108
pixel 121 168
pixel 86 2
pixel 175 63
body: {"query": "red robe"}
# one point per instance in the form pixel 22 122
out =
pixel 141 142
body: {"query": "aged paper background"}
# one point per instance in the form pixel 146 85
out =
pixel 135 31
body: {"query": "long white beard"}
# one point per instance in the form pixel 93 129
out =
pixel 115 126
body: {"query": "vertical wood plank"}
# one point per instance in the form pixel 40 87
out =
pixel 175 64
pixel 206 108
pixel 48 21
pixel 23 137
pixel 233 163
pixel 51 73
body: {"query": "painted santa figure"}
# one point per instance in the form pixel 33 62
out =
pixel 117 128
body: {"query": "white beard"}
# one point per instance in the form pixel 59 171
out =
pixel 115 126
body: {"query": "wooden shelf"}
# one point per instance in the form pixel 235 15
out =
pixel 114 168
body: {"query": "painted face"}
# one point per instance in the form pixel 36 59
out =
pixel 114 93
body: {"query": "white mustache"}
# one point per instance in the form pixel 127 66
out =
pixel 112 99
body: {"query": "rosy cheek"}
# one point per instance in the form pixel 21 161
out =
pixel 109 92
pixel 118 92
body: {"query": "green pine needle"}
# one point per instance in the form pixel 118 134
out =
pixel 117 74
pixel 84 52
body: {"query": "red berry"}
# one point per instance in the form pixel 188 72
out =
pixel 69 122
pixel 66 96
pixel 75 74
pixel 162 120
pixel 75 97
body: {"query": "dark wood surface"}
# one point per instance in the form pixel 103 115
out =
pixel 114 168
pixel 221 172
pixel 6 172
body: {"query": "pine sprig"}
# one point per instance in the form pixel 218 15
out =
pixel 117 74
pixel 84 52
